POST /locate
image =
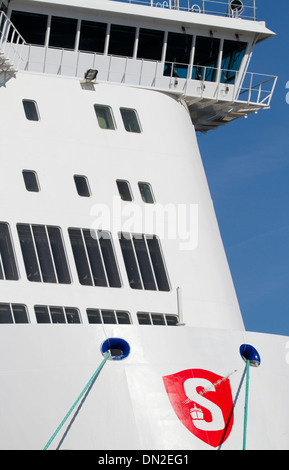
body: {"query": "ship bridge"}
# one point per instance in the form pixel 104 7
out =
pixel 198 50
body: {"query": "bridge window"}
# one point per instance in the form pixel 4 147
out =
pixel 32 26
pixel 92 36
pixel 62 32
pixel 206 58
pixel 150 44
pixel 178 54
pixel 43 253
pixel 8 269
pixel 233 53
pixel 144 262
pixel 121 40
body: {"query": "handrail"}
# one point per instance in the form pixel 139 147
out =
pixel 245 10
pixel 11 41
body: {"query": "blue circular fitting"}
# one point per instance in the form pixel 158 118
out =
pixel 249 353
pixel 118 348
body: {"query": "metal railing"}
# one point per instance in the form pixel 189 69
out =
pixel 230 8
pixel 11 44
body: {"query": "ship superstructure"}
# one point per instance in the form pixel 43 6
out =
pixel 109 240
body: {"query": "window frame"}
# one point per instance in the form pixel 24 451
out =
pixel 132 127
pixel 78 189
pixel 128 187
pixel 39 248
pixel 147 270
pixel 114 312
pixel 108 117
pixel 31 114
pixel 52 315
pixel 92 257
pixel 8 264
pixel 37 185
pixel 13 318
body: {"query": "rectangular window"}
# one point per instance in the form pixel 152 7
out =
pixel 146 192
pixel 206 58
pixel 124 190
pixel 62 32
pixel 8 268
pixel 178 54
pixel 32 26
pixel 13 313
pixel 82 186
pixel 144 262
pixel 30 110
pixel 104 116
pixel 43 253
pixel 233 53
pixel 92 36
pixel 96 316
pixel 150 44
pixel 94 257
pixel 31 181
pixel 121 40
pixel 130 120
pixel 148 318
pixel 51 314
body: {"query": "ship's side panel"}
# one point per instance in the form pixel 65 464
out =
pixel 129 405
pixel 67 141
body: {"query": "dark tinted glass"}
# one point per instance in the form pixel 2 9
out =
pixel 150 44
pixel 30 180
pixel 62 32
pixel 121 40
pixel 32 26
pixel 92 36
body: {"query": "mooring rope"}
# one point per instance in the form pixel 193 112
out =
pixel 246 405
pixel 78 399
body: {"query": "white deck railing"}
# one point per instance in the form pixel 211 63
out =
pixel 245 9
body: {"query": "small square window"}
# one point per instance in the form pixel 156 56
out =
pixel 31 181
pixel 144 318
pixel 82 186
pixel 30 109
pixel 124 190
pixel 130 120
pixel 104 116
pixel 146 193
pixel 93 316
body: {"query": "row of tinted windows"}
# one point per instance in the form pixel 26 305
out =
pixel 18 313
pixel 104 114
pixel 31 182
pixel 123 40
pixel 45 258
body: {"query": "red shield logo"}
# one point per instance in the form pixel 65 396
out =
pixel 203 402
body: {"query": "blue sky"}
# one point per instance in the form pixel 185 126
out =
pixel 247 166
